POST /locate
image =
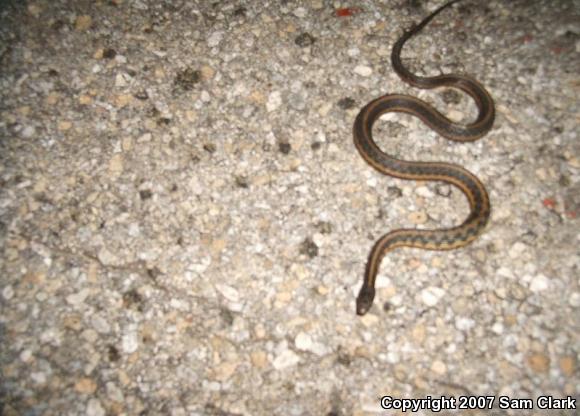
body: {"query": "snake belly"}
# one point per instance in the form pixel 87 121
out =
pixel 469 184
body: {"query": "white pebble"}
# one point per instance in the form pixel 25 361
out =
pixel 539 283
pixel 363 71
pixel 574 300
pixel 28 132
pixel 274 101
pixel 300 12
pixel 26 356
pixel 464 324
pixel 303 341
pixel 214 39
pixel 228 292
pixel 100 324
pixel 432 295
pixel 79 297
pixel 517 250
pixel 38 377
pixel 285 359
pixel 424 192
pixel 497 328
pixel 130 342
pixel 94 408
pixel 8 292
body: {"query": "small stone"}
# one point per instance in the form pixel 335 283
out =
pixel 83 23
pixel 26 356
pixel 285 359
pixel 224 371
pixel 419 333
pixel 207 72
pixel 106 257
pixel 300 12
pixel 464 324
pixel 85 99
pixel 274 101
pixel 85 386
pixel 539 283
pixel 94 408
pixel 114 393
pixel 418 217
pixel 259 331
pixel 79 297
pixel 8 292
pixel 34 10
pixel 363 71
pixel 122 100
pixel 538 362
pixel 228 292
pixel 116 165
pixel 497 328
pixel 439 367
pixel 369 320
pixel 424 192
pixel 517 250
pixel 38 377
pixel 64 125
pixel 130 342
pixel 28 132
pixel 100 324
pixel 574 299
pixel 122 80
pixel 432 295
pixel 568 365
pixel 259 359
pixel 214 39
pixel 303 341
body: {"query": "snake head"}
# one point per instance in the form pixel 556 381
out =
pixel 364 300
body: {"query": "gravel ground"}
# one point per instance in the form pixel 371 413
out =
pixel 184 219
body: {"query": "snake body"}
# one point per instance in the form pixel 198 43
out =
pixel 469 184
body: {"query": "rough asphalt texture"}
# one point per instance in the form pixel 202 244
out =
pixel 184 219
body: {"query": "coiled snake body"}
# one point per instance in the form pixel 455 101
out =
pixel 440 239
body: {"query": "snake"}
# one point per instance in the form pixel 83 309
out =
pixel 455 175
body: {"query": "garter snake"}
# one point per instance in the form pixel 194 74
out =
pixel 437 239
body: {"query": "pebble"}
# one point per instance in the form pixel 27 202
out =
pixel 274 101
pixel 418 217
pixel 94 408
pixel 214 39
pixel 363 71
pixel 130 342
pixel 539 283
pixel 439 368
pixel 8 292
pixel 83 23
pixel 517 250
pixel 538 362
pixel 78 298
pixel 431 296
pixel 285 359
pixel 568 365
pixel 100 324
pixel 464 324
pixel 300 12
pixel 228 292
pixel 574 299
pixel 259 359
pixel 85 386
pixel 224 371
